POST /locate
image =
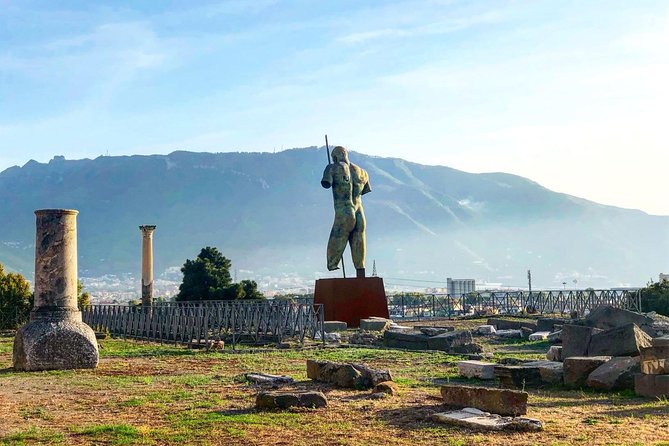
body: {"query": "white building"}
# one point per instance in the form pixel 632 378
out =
pixel 460 286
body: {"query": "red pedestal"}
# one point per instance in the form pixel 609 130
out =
pixel 349 300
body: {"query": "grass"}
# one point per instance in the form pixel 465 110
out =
pixel 150 394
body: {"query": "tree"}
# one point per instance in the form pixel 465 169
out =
pixel 655 297
pixel 208 278
pixel 83 298
pixel 16 299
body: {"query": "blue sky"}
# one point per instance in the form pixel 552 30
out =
pixel 571 94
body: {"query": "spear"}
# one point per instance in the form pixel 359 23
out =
pixel 327 150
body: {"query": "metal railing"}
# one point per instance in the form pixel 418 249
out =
pixel 419 306
pixel 201 323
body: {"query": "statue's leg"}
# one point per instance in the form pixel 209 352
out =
pixel 343 224
pixel 358 241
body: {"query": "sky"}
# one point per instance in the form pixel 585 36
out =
pixel 570 94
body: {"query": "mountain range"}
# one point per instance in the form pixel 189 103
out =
pixel 268 213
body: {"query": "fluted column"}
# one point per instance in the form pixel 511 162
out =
pixel 147 265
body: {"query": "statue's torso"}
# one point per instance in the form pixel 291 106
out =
pixel 348 183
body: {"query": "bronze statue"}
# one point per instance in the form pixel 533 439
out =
pixel 349 183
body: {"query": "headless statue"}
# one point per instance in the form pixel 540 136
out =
pixel 349 183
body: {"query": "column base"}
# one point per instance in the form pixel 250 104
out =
pixel 44 344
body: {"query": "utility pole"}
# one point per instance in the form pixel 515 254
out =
pixel 374 269
pixel 529 280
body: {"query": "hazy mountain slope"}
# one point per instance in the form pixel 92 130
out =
pixel 268 213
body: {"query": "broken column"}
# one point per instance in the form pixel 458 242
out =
pixel 55 337
pixel 147 265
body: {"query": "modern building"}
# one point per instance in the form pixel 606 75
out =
pixel 460 286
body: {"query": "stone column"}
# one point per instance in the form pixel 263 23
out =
pixel 147 265
pixel 55 337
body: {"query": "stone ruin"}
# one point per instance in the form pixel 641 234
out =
pixel 55 337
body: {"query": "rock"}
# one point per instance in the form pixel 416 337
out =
pixel 476 369
pixel 479 420
pixel 539 336
pixel 467 349
pixel 607 317
pixel 486 330
pixel 575 340
pixel 264 378
pixel 366 338
pixel 387 387
pixel 619 341
pixel 655 359
pixel 499 401
pixel 548 324
pixel 509 334
pixel 353 376
pixel 435 331
pixel 509 324
pixel 447 342
pixel 551 372
pixel 332 326
pixel 578 368
pixel 662 341
pixel 518 376
pixel 616 374
pixel 652 386
pixel 526 332
pixel 400 339
pixel 100 335
pixel 555 337
pixel 554 353
pixel 394 326
pixel 374 324
pixel 284 400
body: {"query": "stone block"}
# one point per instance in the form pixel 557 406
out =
pixel 476 419
pixel 548 323
pixel 499 401
pixel 509 334
pixel 575 340
pixel 578 368
pixel 607 317
pixel 652 386
pixel 551 372
pixel 447 342
pixel 332 326
pixel 401 339
pixel 662 341
pixel 555 337
pixel 616 374
pixel 539 336
pixel 284 400
pixel 512 324
pixel 273 380
pixel 374 324
pixel 518 376
pixel 554 353
pixel 486 330
pixel 626 340
pixel 526 332
pixel 435 331
pixel 477 369
pixel 467 349
pixel 387 387
pixel 352 376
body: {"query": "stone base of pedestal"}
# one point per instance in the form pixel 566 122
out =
pixel 350 300
pixel 55 345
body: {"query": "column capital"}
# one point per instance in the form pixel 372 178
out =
pixel 147 229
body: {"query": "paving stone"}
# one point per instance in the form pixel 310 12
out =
pixel 479 420
pixel 374 324
pixel 499 401
pixel 332 326
pixel 284 400
pixel 486 330
pixel 626 340
pixel 575 340
pixel 554 353
pixel 607 317
pixel 539 336
pixel 401 339
pixel 652 386
pixel 477 369
pixel 616 374
pixel 578 368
